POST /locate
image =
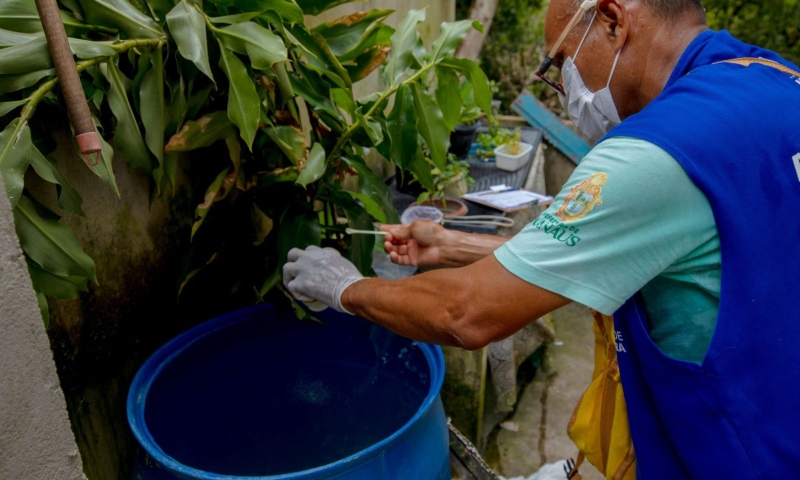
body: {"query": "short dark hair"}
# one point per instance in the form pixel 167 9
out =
pixel 673 8
pixel 668 9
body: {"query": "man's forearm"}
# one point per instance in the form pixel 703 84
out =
pixel 460 249
pixel 423 307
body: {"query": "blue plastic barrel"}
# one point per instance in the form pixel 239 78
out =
pixel 260 394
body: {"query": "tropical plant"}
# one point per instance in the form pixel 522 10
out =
pixel 249 85
pixel 495 137
pixel 772 24
pixel 454 171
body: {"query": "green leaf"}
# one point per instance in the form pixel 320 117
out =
pixel 451 34
pixel 248 38
pixel 56 286
pixel 343 98
pixel 25 58
pixel 160 7
pixel 201 133
pixel 12 83
pixel 52 245
pixel 360 247
pixel 290 140
pixel 194 272
pixel 422 171
pixel 297 229
pixel 405 42
pixel 367 62
pixel 153 108
pixel 6 107
pixel 314 166
pixel 15 153
pixel 315 7
pixel 374 194
pixel 20 16
pixel 76 28
pixel 41 299
pixel 350 35
pixel 262 224
pixel 287 9
pixel 317 93
pixel 402 128
pixel 127 136
pixel 431 125
pixel 243 102
pixel 475 76
pixel 85 49
pixel 319 55
pixel 236 18
pixel 448 96
pixel 188 28
pixel 177 105
pixel 68 199
pixel 212 193
pixel 372 128
pixel 272 281
pixel 9 38
pixel 122 15
pixel 104 168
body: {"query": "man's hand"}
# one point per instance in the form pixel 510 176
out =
pixel 418 244
pixel 321 275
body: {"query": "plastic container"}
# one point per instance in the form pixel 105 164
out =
pixel 260 394
pixel 512 163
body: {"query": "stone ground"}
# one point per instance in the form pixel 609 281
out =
pixel 547 403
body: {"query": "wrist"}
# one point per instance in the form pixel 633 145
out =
pixel 448 242
pixel 343 301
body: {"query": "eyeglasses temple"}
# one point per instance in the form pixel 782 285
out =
pixel 585 7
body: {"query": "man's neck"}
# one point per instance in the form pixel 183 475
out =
pixel 666 48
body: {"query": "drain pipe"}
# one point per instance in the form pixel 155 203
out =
pixel 85 133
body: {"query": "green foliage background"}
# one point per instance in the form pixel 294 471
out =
pixel 264 99
pixel 514 47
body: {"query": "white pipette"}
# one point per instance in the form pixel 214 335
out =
pixel 352 231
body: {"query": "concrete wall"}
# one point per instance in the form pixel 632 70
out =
pixel 35 437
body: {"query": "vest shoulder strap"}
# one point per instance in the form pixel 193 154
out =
pixel 747 61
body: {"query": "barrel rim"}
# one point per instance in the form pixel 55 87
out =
pixel 159 360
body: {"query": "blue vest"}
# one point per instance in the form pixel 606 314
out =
pixel 735 130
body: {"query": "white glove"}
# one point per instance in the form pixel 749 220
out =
pixel 319 275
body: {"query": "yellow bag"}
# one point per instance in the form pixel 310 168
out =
pixel 599 425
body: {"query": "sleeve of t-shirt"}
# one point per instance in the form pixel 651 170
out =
pixel 627 213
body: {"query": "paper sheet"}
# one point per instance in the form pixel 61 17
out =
pixel 508 200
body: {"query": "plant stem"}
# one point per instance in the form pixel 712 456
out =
pixel 46 87
pixel 349 131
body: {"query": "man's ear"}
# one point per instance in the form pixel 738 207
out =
pixel 615 19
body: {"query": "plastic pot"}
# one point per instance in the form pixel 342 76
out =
pixel 512 163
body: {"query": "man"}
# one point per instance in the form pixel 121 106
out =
pixel 683 222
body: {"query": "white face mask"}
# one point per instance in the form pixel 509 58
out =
pixel 594 114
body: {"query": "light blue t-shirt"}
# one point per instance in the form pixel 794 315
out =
pixel 629 219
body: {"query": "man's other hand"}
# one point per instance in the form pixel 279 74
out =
pixel 418 244
pixel 319 275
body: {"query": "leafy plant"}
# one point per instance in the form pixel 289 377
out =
pixel 454 171
pixel 249 86
pixel 514 146
pixel 772 24
pixel 495 137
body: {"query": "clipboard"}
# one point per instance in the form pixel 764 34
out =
pixel 510 200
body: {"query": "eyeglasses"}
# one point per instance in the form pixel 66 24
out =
pixel 548 60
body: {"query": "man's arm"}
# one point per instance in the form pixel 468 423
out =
pixel 467 307
pixel 426 244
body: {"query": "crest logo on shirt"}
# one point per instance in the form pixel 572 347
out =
pixel 582 198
